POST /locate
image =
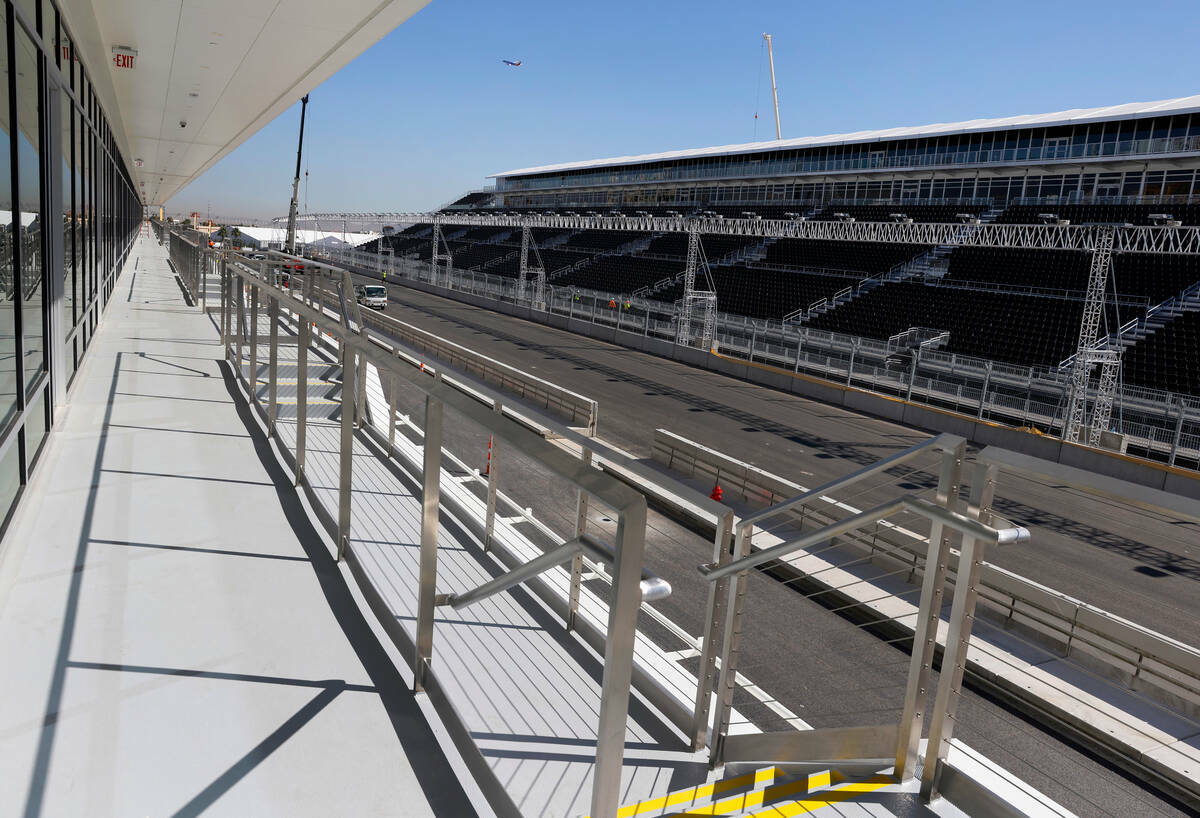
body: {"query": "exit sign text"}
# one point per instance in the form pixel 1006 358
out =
pixel 123 56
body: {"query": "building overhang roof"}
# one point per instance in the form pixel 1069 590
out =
pixel 224 67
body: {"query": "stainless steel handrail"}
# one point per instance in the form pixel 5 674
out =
pixel 653 588
pixel 941 442
pixel 918 505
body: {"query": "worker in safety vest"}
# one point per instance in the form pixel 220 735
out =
pixel 612 305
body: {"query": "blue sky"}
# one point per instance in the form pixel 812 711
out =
pixel 430 110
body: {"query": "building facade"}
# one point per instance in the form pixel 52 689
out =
pixel 71 213
pixel 1147 150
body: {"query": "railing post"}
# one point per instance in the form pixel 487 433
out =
pixel 360 393
pixel 430 497
pixel 735 605
pixel 346 448
pixel 393 399
pixel 239 288
pixel 987 381
pixel 273 364
pixel 205 260
pixel 303 340
pixel 1178 433
pixel 225 305
pixel 928 615
pixel 618 658
pixel 912 376
pixel 253 330
pixel 581 510
pixel 958 638
pixel 489 520
pixel 717 598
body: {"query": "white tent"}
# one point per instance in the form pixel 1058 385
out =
pixel 322 238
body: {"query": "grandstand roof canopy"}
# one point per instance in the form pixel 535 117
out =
pixel 1130 110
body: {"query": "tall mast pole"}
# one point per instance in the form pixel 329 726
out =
pixel 291 228
pixel 774 91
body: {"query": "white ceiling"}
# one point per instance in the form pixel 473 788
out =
pixel 225 67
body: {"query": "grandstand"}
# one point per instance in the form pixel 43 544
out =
pixel 1011 307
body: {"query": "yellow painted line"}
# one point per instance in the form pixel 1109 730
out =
pixel 757 798
pixel 752 779
pixel 828 778
pixel 846 792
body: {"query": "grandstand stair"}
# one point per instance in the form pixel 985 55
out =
pixel 499 238
pixel 936 263
pixel 1151 322
pixel 556 240
pixel 630 248
pixel 770 791
pixel 1159 316
pixel 746 255
pixel 496 262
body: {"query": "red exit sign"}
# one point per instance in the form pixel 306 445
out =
pixel 123 56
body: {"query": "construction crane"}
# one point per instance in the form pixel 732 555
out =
pixel 291 226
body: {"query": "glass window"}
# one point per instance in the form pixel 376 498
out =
pixel 30 192
pixel 31 10
pixel 8 317
pixel 68 212
pixel 35 426
pixel 10 479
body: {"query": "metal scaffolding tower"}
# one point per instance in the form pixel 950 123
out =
pixel 538 300
pixel 437 256
pixel 1110 373
pixel 1092 349
pixel 696 303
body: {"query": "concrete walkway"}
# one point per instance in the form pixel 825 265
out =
pixel 175 636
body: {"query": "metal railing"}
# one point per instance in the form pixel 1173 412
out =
pixel 895 740
pixel 248 289
pixel 239 321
